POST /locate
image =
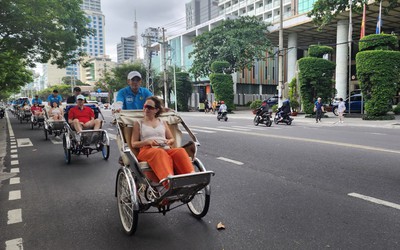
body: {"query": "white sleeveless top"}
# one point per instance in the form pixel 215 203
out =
pixel 55 111
pixel 148 132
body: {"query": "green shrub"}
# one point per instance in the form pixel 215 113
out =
pixel 378 42
pixel 294 104
pixel 275 108
pixel 396 109
pixel 319 50
pixel 255 104
pixel 379 118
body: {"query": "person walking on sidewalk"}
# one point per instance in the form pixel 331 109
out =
pixel 341 109
pixel 318 109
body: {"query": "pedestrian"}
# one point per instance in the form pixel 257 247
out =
pixel 132 96
pixel 318 109
pixel 206 108
pixel 341 109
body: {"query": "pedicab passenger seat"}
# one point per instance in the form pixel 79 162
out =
pixel 55 125
pixel 125 123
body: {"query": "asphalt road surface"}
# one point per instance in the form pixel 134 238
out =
pixel 283 187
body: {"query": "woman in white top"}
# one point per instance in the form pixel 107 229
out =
pixel 341 109
pixel 154 139
pixel 56 112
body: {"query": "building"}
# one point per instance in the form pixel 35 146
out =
pixel 126 49
pixel 96 69
pixel 52 75
pixel 298 33
pixel 200 11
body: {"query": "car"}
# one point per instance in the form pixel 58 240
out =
pixel 356 102
pixel 272 100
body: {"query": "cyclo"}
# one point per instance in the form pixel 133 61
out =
pixel 51 126
pixel 88 142
pixel 138 189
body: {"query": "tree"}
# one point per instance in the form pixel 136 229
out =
pixel 183 89
pixel 378 73
pixel 315 77
pixel 325 10
pixel 13 74
pixel 238 41
pixel 222 83
pixel 43 30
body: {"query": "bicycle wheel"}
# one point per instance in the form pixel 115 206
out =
pixel 200 203
pixel 127 214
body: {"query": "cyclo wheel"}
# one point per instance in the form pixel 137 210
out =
pixel 200 203
pixel 105 151
pixel 67 151
pixel 128 215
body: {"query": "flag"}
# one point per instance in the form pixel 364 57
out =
pixel 362 33
pixel 379 23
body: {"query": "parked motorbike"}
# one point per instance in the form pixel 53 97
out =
pixel 2 111
pixel 263 118
pixel 286 119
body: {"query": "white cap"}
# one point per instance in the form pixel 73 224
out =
pixel 132 74
pixel 80 97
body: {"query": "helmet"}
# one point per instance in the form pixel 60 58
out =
pixel 222 102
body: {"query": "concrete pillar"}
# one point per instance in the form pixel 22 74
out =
pixel 292 56
pixel 342 58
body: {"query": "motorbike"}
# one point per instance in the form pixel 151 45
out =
pixel 286 119
pixel 222 115
pixel 2 111
pixel 263 118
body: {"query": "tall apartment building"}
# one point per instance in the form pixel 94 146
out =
pixel 126 49
pixel 200 11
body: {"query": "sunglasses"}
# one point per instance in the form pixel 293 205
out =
pixel 149 107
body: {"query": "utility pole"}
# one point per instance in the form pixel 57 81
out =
pixel 280 61
pixel 164 49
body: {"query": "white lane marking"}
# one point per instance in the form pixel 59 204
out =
pixel 186 133
pixel 111 129
pixel 112 136
pixel 16 162
pixel 13 143
pixel 14 151
pixel 13 146
pixel 230 160
pixel 14 195
pixel 14 170
pixel 15 180
pixel 56 141
pixel 24 142
pixel 349 145
pixel 14 216
pixel 378 134
pixel 10 130
pixel 14 244
pixel 14 156
pixel 375 200
pixel 204 131
pixel 235 128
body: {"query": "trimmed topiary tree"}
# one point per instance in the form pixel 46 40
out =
pixel 222 83
pixel 378 72
pixel 315 77
pixel 183 90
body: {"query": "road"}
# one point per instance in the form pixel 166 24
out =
pixel 284 187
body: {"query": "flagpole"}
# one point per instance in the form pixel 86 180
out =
pixel 350 41
pixel 379 23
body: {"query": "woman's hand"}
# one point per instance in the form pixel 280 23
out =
pixel 170 142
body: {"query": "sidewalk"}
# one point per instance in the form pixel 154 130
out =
pixel 331 120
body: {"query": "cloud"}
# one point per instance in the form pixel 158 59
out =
pixel 120 17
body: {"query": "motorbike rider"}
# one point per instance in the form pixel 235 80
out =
pixel 263 109
pixel 222 108
pixel 284 110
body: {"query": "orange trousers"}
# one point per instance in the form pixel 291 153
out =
pixel 166 162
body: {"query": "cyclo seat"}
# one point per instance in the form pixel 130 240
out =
pixel 125 124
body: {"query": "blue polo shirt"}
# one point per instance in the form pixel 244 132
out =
pixel 51 99
pixel 38 101
pixel 131 100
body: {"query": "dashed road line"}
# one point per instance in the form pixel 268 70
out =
pixel 14 216
pixel 15 162
pixel 15 180
pixel 375 200
pixel 202 130
pixel 15 244
pixel 14 195
pixel 14 170
pixel 230 160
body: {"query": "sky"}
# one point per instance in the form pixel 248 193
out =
pixel 120 17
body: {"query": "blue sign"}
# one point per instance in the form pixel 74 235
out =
pixel 99 90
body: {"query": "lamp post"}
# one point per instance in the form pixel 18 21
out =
pixel 280 54
pixel 350 41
